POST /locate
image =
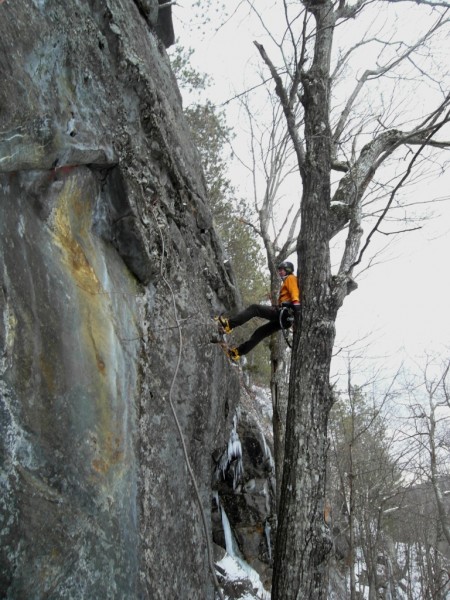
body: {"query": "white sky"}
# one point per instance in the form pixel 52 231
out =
pixel 402 304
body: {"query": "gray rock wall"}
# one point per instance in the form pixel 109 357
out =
pixel 110 271
pixel 246 488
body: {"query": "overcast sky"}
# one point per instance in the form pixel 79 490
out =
pixel 402 305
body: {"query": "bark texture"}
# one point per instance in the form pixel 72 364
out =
pixel 303 541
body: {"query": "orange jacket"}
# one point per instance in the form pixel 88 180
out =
pixel 289 291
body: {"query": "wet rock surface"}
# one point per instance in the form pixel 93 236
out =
pixel 246 491
pixel 110 272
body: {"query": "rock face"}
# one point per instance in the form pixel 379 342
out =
pixel 246 490
pixel 110 271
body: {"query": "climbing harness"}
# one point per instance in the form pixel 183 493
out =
pixel 289 319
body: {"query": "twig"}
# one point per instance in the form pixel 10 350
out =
pixel 394 191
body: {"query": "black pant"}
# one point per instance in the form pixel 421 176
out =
pixel 272 314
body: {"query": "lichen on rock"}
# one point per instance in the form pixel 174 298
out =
pixel 111 270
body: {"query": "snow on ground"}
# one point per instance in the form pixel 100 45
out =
pixel 241 579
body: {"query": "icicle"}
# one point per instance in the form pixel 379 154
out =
pixel 215 496
pixel 267 452
pixel 267 533
pixel 232 456
pixel 229 545
pixel 234 446
pixel 234 552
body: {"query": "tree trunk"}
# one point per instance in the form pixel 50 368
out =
pixel 279 391
pixel 303 541
pixel 351 515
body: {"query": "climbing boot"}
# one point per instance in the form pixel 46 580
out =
pixel 233 354
pixel 224 324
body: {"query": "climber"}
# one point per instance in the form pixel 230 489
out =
pixel 289 296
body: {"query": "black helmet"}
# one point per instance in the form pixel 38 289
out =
pixel 287 266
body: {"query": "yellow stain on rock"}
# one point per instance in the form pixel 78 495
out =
pixel 72 231
pixel 71 214
pixel 114 453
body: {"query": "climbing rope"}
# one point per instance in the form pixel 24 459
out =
pixel 177 422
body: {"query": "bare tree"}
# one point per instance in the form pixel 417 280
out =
pixel 427 435
pixel 302 73
pixel 365 476
pixel 271 166
pixel 438 398
pixel 416 527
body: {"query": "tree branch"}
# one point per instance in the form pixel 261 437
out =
pixel 370 74
pixel 251 225
pixel 354 184
pixel 286 105
pixel 394 191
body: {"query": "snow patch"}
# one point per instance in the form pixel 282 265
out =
pixel 235 572
pixel 233 568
